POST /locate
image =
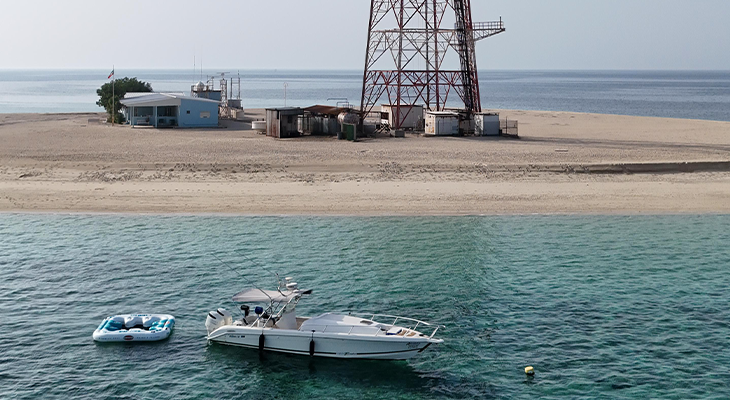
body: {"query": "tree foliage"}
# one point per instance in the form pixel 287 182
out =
pixel 121 87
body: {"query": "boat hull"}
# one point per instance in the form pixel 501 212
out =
pixel 319 344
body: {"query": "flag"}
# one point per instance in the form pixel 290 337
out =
pixel 110 75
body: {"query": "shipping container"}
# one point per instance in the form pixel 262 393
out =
pixel 486 124
pixel 412 116
pixel 442 123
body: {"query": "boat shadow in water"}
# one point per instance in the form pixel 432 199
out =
pixel 398 375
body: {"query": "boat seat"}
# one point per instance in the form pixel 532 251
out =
pixel 395 331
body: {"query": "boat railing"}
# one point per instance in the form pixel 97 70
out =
pixel 346 329
pixel 396 318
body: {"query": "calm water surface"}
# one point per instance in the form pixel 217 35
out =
pixel 603 307
pixel 672 94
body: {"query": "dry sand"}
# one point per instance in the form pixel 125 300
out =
pixel 564 163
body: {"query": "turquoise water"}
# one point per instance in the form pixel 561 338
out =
pixel 602 307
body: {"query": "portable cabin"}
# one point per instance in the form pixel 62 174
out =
pixel 411 115
pixel 167 110
pixel 442 123
pixel 283 122
pixel 486 124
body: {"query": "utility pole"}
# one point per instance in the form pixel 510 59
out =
pixel 114 101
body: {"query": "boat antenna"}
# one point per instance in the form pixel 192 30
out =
pixel 243 276
pixel 309 291
pixel 278 279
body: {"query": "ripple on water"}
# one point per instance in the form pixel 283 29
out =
pixel 603 307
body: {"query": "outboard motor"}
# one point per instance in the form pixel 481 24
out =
pixel 217 319
pixel 227 317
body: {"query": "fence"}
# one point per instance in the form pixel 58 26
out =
pixel 509 128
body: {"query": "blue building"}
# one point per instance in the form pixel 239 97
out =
pixel 166 110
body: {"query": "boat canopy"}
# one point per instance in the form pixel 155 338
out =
pixel 260 295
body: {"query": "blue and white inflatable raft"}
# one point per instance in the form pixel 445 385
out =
pixel 135 328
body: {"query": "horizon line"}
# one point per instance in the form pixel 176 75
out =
pixel 360 70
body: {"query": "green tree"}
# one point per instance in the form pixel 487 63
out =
pixel 121 87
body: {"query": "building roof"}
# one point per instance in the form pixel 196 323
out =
pixel 327 110
pixel 160 99
pixel 284 109
pixel 443 113
pixel 131 95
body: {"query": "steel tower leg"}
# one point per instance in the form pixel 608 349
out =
pixel 408 43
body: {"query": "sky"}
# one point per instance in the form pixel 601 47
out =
pixel 331 34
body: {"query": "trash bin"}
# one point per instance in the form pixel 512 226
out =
pixel 350 131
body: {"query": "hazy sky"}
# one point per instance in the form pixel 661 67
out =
pixel 330 34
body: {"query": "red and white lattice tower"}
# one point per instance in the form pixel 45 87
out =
pixel 422 52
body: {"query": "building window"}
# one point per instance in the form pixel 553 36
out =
pixel 142 111
pixel 167 111
pixel 205 115
pixel 188 111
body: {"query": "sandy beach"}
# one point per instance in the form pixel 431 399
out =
pixel 563 163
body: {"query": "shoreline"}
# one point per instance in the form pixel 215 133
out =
pixel 628 214
pixel 565 164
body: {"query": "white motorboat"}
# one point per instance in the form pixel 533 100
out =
pixel 275 327
pixel 135 328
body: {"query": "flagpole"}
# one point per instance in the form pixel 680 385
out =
pixel 114 103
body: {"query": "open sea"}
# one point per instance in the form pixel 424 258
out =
pixel 672 94
pixel 604 307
